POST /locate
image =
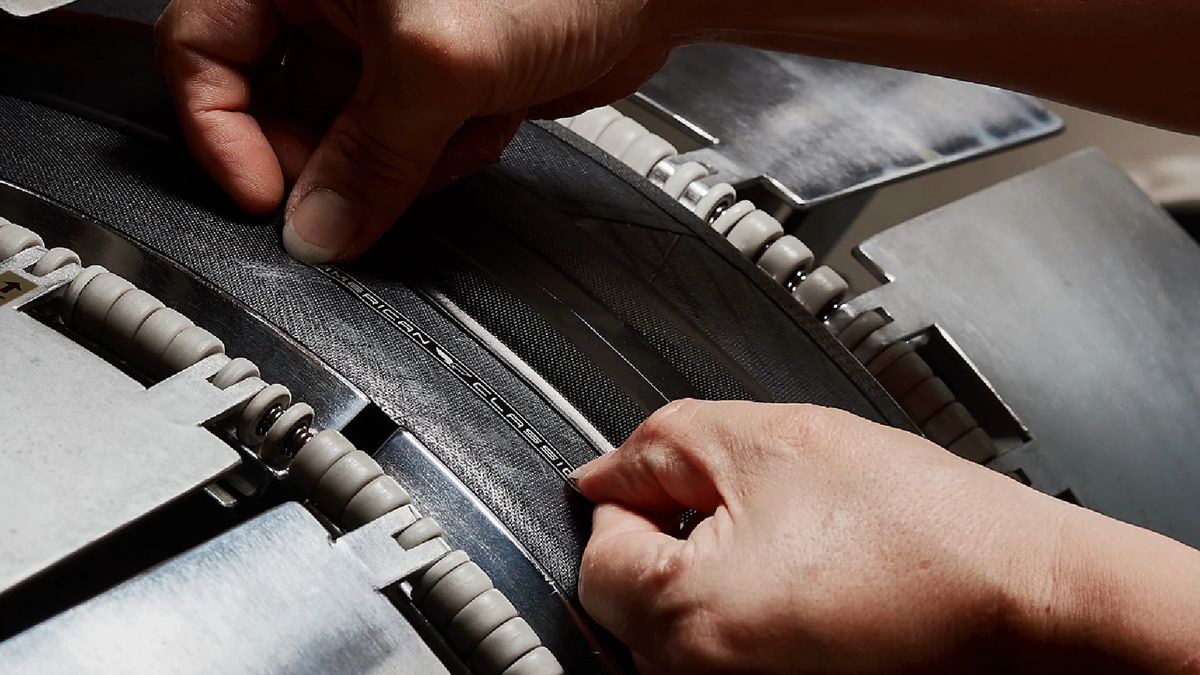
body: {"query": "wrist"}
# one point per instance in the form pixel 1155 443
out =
pixel 1106 595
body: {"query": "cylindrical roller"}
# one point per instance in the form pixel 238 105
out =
pixel 644 153
pixel 593 122
pixel 503 646
pixel 537 662
pixel 926 400
pixel 860 328
pixel 274 450
pixel 949 424
pixel 725 222
pixel 786 259
pixel 684 175
pixel 80 282
pixel 425 529
pixel 249 424
pixel 821 290
pixel 235 371
pixel 154 336
pixel 188 348
pixel 15 238
pixel 54 259
pixel 703 200
pixel 618 136
pixel 837 320
pixel 906 373
pixel 436 572
pixel 480 617
pixel 378 497
pixel 975 446
pixel 753 233
pixel 343 480
pixel 449 595
pixel 126 316
pixel 872 346
pixel 889 356
pixel 96 300
pixel 315 458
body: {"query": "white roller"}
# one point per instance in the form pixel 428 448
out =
pixel 731 216
pixel 904 374
pixel 71 294
pixel 126 316
pixel 437 572
pixel 274 446
pixel 888 356
pixel 480 617
pixel 683 175
pixel 593 122
pixel 537 662
pixel 15 238
pixel 753 233
pixel 154 336
pixel 250 417
pixel 926 399
pixel 188 348
pixel 716 195
pixel 975 446
pixel 821 290
pixel 949 424
pixel 235 371
pixel 454 591
pixel 349 474
pixel 644 153
pixel 96 300
pixel 618 136
pixel 54 259
pixel 786 259
pixel 376 498
pixel 314 459
pixel 503 646
pixel 860 328
pixel 425 529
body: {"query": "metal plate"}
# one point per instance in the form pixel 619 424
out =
pixel 818 130
pixel 84 449
pixel 274 595
pixel 1075 297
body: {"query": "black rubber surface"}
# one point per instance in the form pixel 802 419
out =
pixel 616 296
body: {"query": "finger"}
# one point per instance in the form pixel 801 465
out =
pixel 478 144
pixel 367 169
pixel 622 81
pixel 627 564
pixel 669 464
pixel 293 143
pixel 205 48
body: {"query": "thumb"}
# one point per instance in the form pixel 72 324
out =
pixel 365 172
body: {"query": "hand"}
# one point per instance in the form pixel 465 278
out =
pixel 442 87
pixel 832 544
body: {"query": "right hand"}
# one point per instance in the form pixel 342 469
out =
pixel 833 544
pixel 442 88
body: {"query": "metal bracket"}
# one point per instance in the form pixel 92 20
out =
pixel 385 560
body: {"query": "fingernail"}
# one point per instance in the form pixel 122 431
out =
pixel 573 479
pixel 321 227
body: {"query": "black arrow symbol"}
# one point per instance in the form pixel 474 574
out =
pixel 10 287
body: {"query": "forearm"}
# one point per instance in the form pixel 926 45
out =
pixel 1135 58
pixel 1122 600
